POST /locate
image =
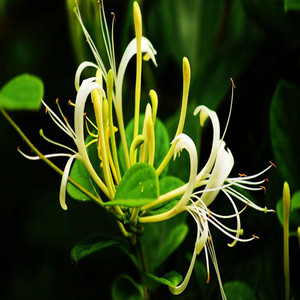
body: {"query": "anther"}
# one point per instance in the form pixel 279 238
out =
pixel 209 241
pixel 56 100
pixel 112 13
pixel 242 175
pixel 264 188
pixel 266 179
pixel 232 82
pixel 255 236
pixel 208 278
pixel 46 110
pixel 273 164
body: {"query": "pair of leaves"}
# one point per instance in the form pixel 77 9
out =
pixel 22 92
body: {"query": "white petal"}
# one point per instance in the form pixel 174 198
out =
pixel 64 182
pixel 180 288
pixel 128 54
pixel 204 113
pixel 185 142
pixel 85 89
pixel 221 170
pixel 81 67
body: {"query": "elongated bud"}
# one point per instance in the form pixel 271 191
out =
pixel 186 72
pixel 137 16
pixel 286 216
pixel 154 102
pixel 110 84
pixel 105 112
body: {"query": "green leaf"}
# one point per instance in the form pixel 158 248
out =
pixel 160 240
pixel 80 174
pixel 22 92
pixel 295 201
pixel 238 290
pixel 165 185
pixel 92 244
pixel 171 279
pixel 124 287
pixel 291 5
pixel 162 141
pixel 285 136
pixel 138 187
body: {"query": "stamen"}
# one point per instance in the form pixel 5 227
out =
pixel 273 164
pixel 71 103
pixel 114 16
pixel 232 82
pixel 242 175
pixel 255 236
pixel 264 188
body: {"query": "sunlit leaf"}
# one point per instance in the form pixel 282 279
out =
pixel 138 186
pixel 22 92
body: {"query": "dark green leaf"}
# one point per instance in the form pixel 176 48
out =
pixel 291 5
pixel 22 92
pixel 285 136
pixel 171 279
pixel 162 239
pixel 125 287
pixel 238 290
pixel 80 174
pixel 162 141
pixel 92 244
pixel 295 201
pixel 138 186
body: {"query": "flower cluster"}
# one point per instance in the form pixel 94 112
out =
pixel 105 91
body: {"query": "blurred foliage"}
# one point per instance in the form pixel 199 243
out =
pixel 257 43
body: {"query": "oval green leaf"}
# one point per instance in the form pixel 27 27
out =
pixel 92 244
pixel 22 92
pixel 138 187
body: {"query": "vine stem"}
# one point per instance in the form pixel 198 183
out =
pixel 141 260
pixel 46 160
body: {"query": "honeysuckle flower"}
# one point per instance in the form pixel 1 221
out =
pixel 105 91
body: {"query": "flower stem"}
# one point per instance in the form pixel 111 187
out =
pixel 47 161
pixel 141 260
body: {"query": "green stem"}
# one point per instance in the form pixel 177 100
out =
pixel 47 161
pixel 141 260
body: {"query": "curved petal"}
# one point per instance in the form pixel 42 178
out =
pixel 64 182
pixel 180 288
pixel 185 142
pixel 221 170
pixel 130 51
pixel 85 89
pixel 80 68
pixel 205 112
